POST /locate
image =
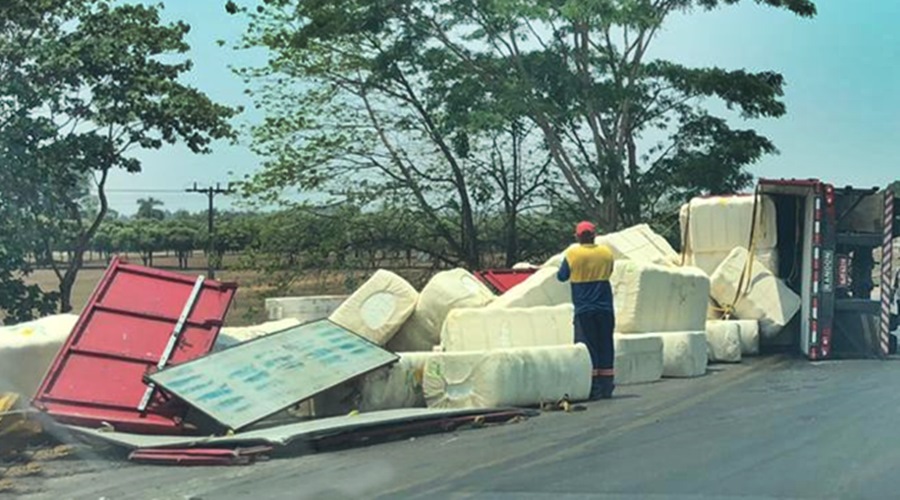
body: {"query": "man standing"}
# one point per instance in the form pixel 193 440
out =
pixel 588 267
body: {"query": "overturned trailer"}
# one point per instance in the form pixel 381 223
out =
pixel 835 249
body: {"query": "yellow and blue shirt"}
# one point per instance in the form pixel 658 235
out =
pixel 588 267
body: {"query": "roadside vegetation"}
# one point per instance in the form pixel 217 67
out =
pixel 430 134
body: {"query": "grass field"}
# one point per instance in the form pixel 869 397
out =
pixel 253 287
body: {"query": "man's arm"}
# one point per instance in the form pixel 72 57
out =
pixel 563 273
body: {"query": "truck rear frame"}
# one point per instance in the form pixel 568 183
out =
pixel 826 256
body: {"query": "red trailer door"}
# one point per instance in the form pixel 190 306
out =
pixel 137 320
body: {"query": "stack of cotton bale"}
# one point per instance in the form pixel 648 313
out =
pixel 415 336
pixel 461 346
pixel 486 351
pixel 660 307
pixel 711 227
pixel 668 305
pixel 519 353
pixel 753 293
pixel 639 243
pixel 746 295
pixel 460 349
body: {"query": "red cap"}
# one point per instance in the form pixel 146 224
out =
pixel 584 227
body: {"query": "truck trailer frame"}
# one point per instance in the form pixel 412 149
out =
pixel 826 242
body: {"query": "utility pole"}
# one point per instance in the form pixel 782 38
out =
pixel 211 193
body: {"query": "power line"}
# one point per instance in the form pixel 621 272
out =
pixel 211 193
pixel 145 191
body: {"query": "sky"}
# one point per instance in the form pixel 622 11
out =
pixel 842 92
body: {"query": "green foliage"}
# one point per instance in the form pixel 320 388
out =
pixel 82 85
pixel 627 133
pixel 147 209
pixel 361 109
pixel 474 128
pixel 18 301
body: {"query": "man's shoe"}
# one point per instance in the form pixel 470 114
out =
pixel 600 391
pixel 602 388
pixel 607 391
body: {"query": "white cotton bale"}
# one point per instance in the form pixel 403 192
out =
pixel 303 309
pixel 749 336
pixel 485 329
pixel 28 349
pixel 723 341
pixel 640 243
pixel 651 298
pixel 233 335
pixel 507 377
pixel 540 289
pixel 710 261
pixel 556 260
pixel 444 292
pixel 639 359
pixel 720 223
pixel 684 353
pixel 396 386
pixel 413 336
pixel 764 297
pixel 378 308
pixel 749 330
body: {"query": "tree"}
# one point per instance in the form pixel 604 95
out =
pixel 630 135
pixel 88 82
pixel 147 209
pixel 364 111
pixel 18 301
pixel 183 238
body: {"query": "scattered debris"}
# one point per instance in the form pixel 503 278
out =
pixel 7 486
pixel 54 453
pixel 23 470
pixel 563 405
pixel 200 456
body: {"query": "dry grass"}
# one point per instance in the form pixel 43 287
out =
pixel 24 470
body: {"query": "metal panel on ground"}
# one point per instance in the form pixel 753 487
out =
pixel 137 319
pixel 284 435
pixel 251 381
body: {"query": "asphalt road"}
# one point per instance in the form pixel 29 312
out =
pixel 768 428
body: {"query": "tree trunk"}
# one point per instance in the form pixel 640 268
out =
pixel 65 296
pixel 67 282
pixel 512 238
